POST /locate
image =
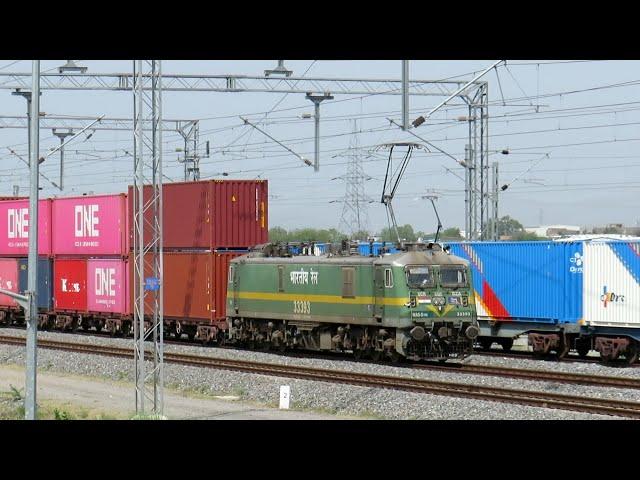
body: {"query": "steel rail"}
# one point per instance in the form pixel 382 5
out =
pixel 538 375
pixel 505 395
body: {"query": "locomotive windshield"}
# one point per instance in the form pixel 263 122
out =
pixel 453 276
pixel 419 277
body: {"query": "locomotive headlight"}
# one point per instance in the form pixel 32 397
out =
pixel 438 301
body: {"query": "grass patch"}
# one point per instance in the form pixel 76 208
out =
pixel 12 408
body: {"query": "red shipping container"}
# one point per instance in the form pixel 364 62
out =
pixel 210 214
pixel 90 225
pixel 108 286
pixel 195 286
pixel 70 284
pixel 14 227
pixel 8 280
pixel 239 217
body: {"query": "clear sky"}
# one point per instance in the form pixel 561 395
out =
pixel 591 175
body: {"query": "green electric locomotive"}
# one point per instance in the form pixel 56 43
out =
pixel 416 304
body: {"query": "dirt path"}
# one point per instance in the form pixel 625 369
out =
pixel 117 399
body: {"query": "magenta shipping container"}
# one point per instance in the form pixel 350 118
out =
pixel 8 280
pixel 14 227
pixel 107 286
pixel 90 225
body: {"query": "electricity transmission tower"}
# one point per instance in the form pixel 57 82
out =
pixel 354 216
pixel 147 236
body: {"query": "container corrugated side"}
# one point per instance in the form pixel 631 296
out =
pixel 239 213
pixel 186 215
pixel 612 284
pixel 525 281
pixel 221 270
pixel 44 292
pixel 187 286
pixel 14 227
pixel 90 225
pixel 108 286
pixel 70 284
pixel 8 280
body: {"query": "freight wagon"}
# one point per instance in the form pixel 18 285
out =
pixel 562 295
pixel 415 304
pixel 88 242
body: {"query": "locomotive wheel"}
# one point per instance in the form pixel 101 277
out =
pixel 485 344
pixel 395 357
pixel 506 343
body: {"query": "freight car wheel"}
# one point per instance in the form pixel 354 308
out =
pixel 485 344
pixel 376 355
pixel 506 344
pixel 563 350
pixel 583 349
pixel 358 353
pixel 631 355
pixel 126 329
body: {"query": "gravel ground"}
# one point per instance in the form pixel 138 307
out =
pixel 326 397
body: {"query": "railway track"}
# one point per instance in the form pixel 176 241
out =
pixel 537 375
pixel 497 394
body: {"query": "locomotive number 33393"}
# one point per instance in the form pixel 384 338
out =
pixel 301 306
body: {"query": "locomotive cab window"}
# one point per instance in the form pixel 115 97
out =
pixel 453 276
pixel 231 270
pixel 388 278
pixel 419 277
pixel 348 281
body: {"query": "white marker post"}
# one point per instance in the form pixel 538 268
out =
pixel 285 396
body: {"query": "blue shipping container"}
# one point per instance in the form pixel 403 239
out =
pixel 364 249
pixel 525 281
pixel 44 291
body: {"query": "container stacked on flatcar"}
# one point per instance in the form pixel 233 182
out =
pixel 562 295
pixel 14 248
pixel 205 225
pixel 90 247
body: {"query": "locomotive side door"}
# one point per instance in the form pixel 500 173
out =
pixel 233 283
pixel 378 291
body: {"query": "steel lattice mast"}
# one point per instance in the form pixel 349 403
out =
pixel 354 211
pixel 147 252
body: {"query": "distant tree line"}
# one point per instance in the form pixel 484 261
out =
pixel 507 228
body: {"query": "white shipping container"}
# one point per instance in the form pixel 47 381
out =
pixel 611 290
